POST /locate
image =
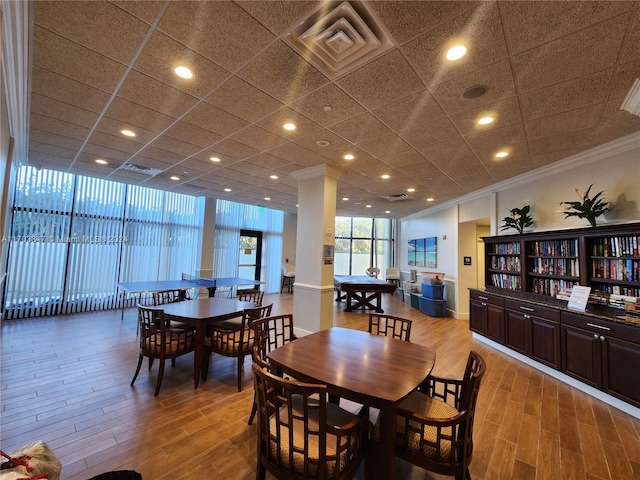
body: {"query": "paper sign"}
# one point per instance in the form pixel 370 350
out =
pixel 579 298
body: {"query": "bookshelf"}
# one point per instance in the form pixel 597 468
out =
pixel 606 258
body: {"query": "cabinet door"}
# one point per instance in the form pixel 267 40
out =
pixel 621 367
pixel 495 323
pixel 477 321
pixel 545 342
pixel 516 335
pixel 581 355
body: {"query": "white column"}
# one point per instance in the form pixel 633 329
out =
pixel 313 299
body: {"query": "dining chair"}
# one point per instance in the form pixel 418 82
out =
pixel 435 422
pixel 234 338
pixel 301 435
pixel 269 333
pixel 251 295
pixel 392 274
pixel 288 277
pixel 171 296
pixel 390 326
pixel 158 340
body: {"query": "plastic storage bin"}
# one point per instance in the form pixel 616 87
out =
pixel 415 300
pixel 435 292
pixel 432 278
pixel 433 308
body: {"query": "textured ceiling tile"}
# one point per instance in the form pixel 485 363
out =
pixel 162 54
pixel 195 165
pixel 532 23
pixel 276 120
pixel 405 20
pixel 62 58
pixel 54 150
pixel 183 149
pixel 54 139
pixel 340 105
pixel 152 161
pixel 258 138
pixel 580 119
pixel 566 96
pixel 414 108
pixel 53 125
pixel 612 111
pixel 113 127
pixel 293 152
pixel 146 11
pixel 470 166
pixel 424 134
pixel 127 176
pixel 194 135
pixel 45 160
pixel 220 31
pixel 243 100
pixel 213 119
pixel 624 77
pixel 402 159
pixel 505 112
pixel 325 135
pixel 504 174
pixel 69 91
pixel 99 26
pixel 360 129
pixel 569 57
pixel 497 79
pixel 169 158
pixel 120 143
pixel 279 16
pixel 283 74
pixel 540 160
pixel 105 152
pixel 62 111
pixel 498 138
pixel 89 165
pixel 136 115
pixel 607 132
pixel 632 47
pixel 382 81
pixel 269 161
pixel 480 29
pixel 385 145
pixel 453 148
pixel 229 149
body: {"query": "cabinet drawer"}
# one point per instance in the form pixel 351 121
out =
pixel 533 309
pixel 487 298
pixel 603 327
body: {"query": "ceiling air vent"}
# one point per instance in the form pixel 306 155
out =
pixel 132 167
pixel 397 197
pixel 340 37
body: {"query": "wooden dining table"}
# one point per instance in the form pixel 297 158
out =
pixel 200 313
pixel 369 369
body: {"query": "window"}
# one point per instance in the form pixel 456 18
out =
pixel 363 243
pixel 72 238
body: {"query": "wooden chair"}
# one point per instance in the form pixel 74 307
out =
pixel 301 435
pixel 269 334
pixel 171 296
pixel 435 423
pixel 234 338
pixel 390 326
pixel 157 340
pixel 251 295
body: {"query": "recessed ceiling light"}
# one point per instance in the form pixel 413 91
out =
pixel 387 211
pixel 411 190
pixel 183 72
pixel 485 120
pixel 344 199
pixel 474 92
pixel 267 198
pixel 456 53
pixel 368 206
pixel 214 159
pixel 430 199
pixel 174 178
pixel 273 177
pixel 128 133
pixel 227 189
pixel 385 176
pixel 502 154
pixel 348 157
pixel 100 161
pixel 289 126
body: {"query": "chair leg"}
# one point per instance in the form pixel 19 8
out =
pixel 254 409
pixel 261 471
pixel 137 369
pixel 160 373
pixel 150 363
pixel 240 369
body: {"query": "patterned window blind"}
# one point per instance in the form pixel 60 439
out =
pixel 73 237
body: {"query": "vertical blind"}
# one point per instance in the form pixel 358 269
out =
pixel 72 238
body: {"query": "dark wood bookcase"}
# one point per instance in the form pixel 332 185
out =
pixel 606 258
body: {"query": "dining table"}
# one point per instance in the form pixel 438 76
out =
pixel 200 313
pixel 366 368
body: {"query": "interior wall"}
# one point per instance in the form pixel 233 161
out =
pixel 289 238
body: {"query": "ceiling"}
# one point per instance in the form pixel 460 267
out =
pixel 555 73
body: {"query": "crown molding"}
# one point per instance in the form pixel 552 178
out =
pixel 631 102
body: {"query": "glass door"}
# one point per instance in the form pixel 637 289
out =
pixel 249 260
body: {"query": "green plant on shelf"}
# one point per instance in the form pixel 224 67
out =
pixel 589 208
pixel 519 219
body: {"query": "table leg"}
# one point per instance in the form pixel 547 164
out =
pixel 198 354
pixel 383 451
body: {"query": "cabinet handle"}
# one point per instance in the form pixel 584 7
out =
pixel 598 326
pixel 484 304
pixel 596 336
pixel 527 316
pixel 483 298
pixel 527 309
pixel 601 338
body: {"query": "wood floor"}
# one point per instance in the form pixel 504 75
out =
pixel 65 380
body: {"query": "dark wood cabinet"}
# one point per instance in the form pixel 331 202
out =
pixel 487 315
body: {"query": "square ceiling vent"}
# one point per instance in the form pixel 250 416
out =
pixel 340 37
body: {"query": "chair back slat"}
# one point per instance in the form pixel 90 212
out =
pixel 390 326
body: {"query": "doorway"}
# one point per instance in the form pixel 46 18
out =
pixel 250 256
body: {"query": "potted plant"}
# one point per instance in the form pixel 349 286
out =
pixel 519 219
pixel 589 208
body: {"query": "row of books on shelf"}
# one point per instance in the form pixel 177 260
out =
pixel 626 246
pixel 551 287
pixel 555 248
pixel 501 280
pixel 556 266
pixel 627 270
pixel 506 263
pixel 512 248
pixel 618 290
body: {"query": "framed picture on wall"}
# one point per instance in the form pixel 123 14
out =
pixel 423 252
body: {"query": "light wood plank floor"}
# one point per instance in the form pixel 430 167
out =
pixel 66 379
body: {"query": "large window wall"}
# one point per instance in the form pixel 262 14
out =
pixel 72 238
pixel 362 243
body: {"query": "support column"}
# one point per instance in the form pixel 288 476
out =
pixel 313 299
